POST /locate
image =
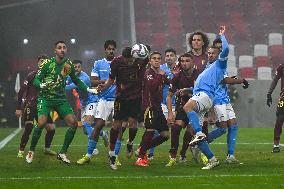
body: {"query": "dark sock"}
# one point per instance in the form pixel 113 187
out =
pixel 145 142
pixel 175 132
pixel 70 133
pixel 132 134
pixel 113 134
pixel 205 127
pixel 156 141
pixel 25 137
pixel 186 139
pixel 49 137
pixel 35 138
pixel 277 131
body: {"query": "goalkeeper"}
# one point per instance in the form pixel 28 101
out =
pixel 51 81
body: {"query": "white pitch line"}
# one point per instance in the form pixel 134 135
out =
pixel 139 177
pixel 8 138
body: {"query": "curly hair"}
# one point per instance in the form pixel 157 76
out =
pixel 204 38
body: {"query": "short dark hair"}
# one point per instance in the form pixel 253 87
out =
pixel 154 52
pixel 126 52
pixel 204 38
pixel 109 42
pixel 171 50
pixel 216 42
pixel 185 55
pixel 77 62
pixel 57 42
pixel 42 56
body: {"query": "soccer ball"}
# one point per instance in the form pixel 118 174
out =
pixel 139 51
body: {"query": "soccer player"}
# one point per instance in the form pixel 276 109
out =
pixel 88 104
pixel 279 74
pixel 51 80
pixel 180 84
pixel 202 100
pixel 154 119
pixel 127 73
pixel 100 73
pixel 226 117
pixel 29 93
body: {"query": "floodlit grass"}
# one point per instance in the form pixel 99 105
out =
pixel 260 167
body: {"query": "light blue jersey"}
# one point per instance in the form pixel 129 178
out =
pixel 221 94
pixel 101 69
pixel 212 76
pixel 170 76
pixel 85 98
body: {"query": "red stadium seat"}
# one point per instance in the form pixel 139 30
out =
pixel 247 72
pixel 262 61
pixel 277 54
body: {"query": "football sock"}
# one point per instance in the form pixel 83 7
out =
pixel 88 127
pixel 146 142
pixel 113 134
pixel 193 117
pixel 156 141
pixel 204 147
pixel 175 132
pixel 25 137
pixel 152 150
pixel 205 128
pixel 117 147
pixel 49 137
pixel 91 146
pixel 186 139
pixel 216 133
pixel 233 130
pixel 35 138
pixel 277 131
pixel 132 134
pixel 68 139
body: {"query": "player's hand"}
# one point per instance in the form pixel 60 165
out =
pixel 65 70
pixel 161 72
pixel 269 99
pixel 45 85
pixel 93 90
pixel 222 30
pixel 245 84
pixel 18 113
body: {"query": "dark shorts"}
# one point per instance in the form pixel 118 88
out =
pixel 280 108
pixel 123 109
pixel 30 114
pixel 181 115
pixel 155 120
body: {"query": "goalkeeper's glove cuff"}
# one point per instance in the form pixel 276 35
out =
pixel 93 90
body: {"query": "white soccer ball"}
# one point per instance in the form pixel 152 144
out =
pixel 139 51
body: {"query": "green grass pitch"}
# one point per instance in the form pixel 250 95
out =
pixel 260 168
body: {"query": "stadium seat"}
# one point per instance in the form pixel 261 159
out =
pixel 247 73
pixel 232 71
pixel 231 50
pixel 264 73
pixel 245 61
pixel 232 61
pixel 260 50
pixel 277 54
pixel 186 42
pixel 262 61
pixel 212 37
pixel 275 39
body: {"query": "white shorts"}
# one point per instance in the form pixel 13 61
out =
pixel 165 110
pixel 104 109
pixel 224 112
pixel 88 110
pixel 204 103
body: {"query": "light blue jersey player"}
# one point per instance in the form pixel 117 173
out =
pixel 88 102
pixel 99 74
pixel 203 96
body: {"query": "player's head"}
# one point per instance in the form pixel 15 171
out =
pixel 40 59
pixel 60 49
pixel 78 66
pixel 186 61
pixel 126 54
pixel 213 53
pixel 217 43
pixel 155 59
pixel 110 48
pixel 170 56
pixel 198 40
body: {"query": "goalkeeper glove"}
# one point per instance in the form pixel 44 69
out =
pixel 269 99
pixel 245 84
pixel 93 90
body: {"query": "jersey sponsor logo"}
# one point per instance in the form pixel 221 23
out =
pixel 149 77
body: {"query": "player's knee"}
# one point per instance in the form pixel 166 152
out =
pixel 222 130
pixel 189 106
